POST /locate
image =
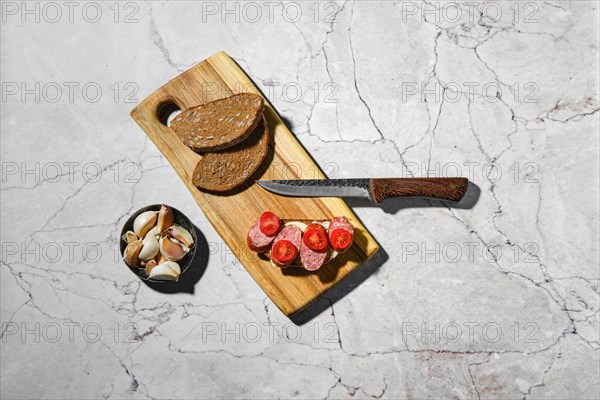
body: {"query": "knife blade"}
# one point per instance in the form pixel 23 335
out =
pixel 374 189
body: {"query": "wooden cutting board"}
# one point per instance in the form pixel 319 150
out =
pixel 232 215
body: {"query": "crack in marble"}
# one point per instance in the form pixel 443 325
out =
pixel 20 280
pixel 12 316
pixel 377 396
pixel 158 41
pixel 327 62
pixel 476 135
pixel 542 383
pixel 575 117
pixel 337 327
pixel 487 359
pixel 354 73
pixel 437 119
pixel 67 199
pixel 135 385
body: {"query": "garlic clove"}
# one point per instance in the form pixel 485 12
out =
pixel 160 259
pixel 168 271
pixel 131 253
pixel 149 248
pixel 172 250
pixel 174 266
pixel 181 234
pixel 144 222
pixel 165 218
pixel 150 265
pixel 129 237
pixel 152 232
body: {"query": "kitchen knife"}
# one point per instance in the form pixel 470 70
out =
pixel 374 189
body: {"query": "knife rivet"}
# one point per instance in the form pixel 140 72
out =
pixel 386 187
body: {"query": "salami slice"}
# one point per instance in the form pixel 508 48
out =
pixel 290 233
pixel 340 223
pixel 258 241
pixel 312 260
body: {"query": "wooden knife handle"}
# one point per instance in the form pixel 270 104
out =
pixel 451 189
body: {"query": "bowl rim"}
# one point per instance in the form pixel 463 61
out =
pixel 128 225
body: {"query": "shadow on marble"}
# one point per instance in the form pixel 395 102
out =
pixel 345 286
pixel 394 204
pixel 192 275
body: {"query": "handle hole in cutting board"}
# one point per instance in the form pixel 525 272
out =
pixel 166 111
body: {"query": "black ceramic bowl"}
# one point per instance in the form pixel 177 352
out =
pixel 179 219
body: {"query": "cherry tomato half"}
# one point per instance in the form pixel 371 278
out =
pixel 284 251
pixel 269 223
pixel 316 226
pixel 315 238
pixel 341 239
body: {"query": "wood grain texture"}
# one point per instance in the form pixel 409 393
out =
pixel 232 215
pixel 451 189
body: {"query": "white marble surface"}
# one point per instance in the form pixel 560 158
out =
pixel 528 319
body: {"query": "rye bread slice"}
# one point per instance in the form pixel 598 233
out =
pixel 219 124
pixel 227 169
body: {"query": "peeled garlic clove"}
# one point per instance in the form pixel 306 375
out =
pixel 171 250
pixel 150 265
pixel 144 222
pixel 149 248
pixel 152 232
pixel 174 266
pixel 168 271
pixel 129 237
pixel 181 234
pixel 165 218
pixel 131 253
